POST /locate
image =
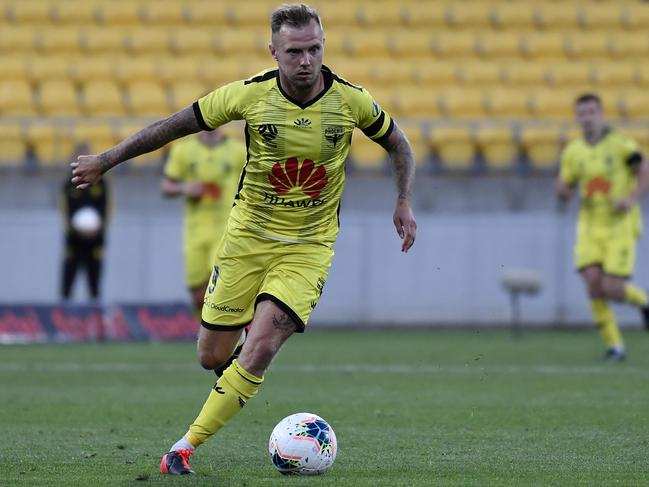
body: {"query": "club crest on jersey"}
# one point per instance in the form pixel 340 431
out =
pixel 302 123
pixel 268 132
pixel 334 134
pixel 311 178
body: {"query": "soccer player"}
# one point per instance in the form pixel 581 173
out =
pixel 273 262
pixel 611 176
pixel 205 170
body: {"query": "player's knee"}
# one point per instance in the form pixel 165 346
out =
pixel 210 359
pixel 611 289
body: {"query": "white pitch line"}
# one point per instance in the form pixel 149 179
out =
pixel 469 369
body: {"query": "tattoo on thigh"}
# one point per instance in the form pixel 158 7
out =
pixel 281 321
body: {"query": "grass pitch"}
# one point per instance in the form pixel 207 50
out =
pixel 408 407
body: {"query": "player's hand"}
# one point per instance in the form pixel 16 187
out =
pixel 625 204
pixel 404 222
pixel 193 189
pixel 86 171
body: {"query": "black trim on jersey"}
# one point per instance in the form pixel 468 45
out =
pixel 246 132
pixel 343 81
pixel 373 129
pixel 386 134
pixel 213 327
pixel 634 160
pixel 328 81
pixel 199 117
pixel 299 324
pixel 262 77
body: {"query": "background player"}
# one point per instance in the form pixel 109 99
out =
pixel 205 170
pixel 611 176
pixel 274 259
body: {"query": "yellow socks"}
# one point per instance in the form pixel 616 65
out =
pixel 635 295
pixel 606 324
pixel 229 395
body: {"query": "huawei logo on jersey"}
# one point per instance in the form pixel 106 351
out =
pixel 310 178
pixel 598 185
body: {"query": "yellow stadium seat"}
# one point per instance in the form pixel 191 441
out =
pixel 192 41
pixel 499 45
pixel 367 43
pixel 100 136
pixel 357 72
pixel 413 43
pixel 390 73
pixel 543 45
pixel 333 14
pixel 59 40
pixel 221 71
pixel 164 12
pixel 119 13
pixel 415 103
pixel 235 130
pixel 611 100
pixel 497 146
pixel 636 15
pixel 508 103
pixel 615 74
pixel 470 14
pixel 419 144
pixel 557 15
pixel 514 15
pixel 31 11
pixel 425 14
pixel 152 159
pixel 103 40
pixel 74 11
pixel 136 69
pixel 480 74
pixel 635 105
pixel 102 98
pixel 148 41
pixel 525 75
pixel 48 68
pixel 51 143
pixel 184 93
pixel 385 14
pixel 12 144
pixel 367 154
pixel 601 16
pixel 581 46
pixel 17 40
pixel 575 75
pixel 454 147
pixel 435 74
pixel 385 97
pixel 174 69
pixel 254 64
pixel 626 46
pixel 462 103
pixel 13 68
pixel 207 12
pixel 553 104
pixel 232 42
pixel 253 14
pixel 454 45
pixel 542 146
pixel 58 98
pixel 16 99
pixel 640 134
pixel 91 68
pixel 147 99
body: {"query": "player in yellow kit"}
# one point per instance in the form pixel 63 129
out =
pixel 611 176
pixel 205 171
pixel 273 261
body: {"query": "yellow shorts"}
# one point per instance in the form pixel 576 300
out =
pixel 614 253
pixel 249 269
pixel 199 259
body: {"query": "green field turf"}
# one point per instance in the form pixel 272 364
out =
pixel 409 408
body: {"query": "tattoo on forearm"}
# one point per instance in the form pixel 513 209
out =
pixel 151 138
pixel 281 321
pixel 404 166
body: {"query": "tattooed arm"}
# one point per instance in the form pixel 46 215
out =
pixel 87 170
pixel 403 164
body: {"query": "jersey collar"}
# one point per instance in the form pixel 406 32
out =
pixel 328 81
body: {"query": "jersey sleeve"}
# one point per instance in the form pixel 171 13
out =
pixel 567 168
pixel 221 106
pixel 632 152
pixel 175 167
pixel 370 117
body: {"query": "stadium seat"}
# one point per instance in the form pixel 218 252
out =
pixel 436 74
pixel 236 41
pixel 367 154
pixel 147 99
pixel 17 40
pixel 385 97
pixel 480 74
pixel 184 93
pixel 460 104
pixel 102 98
pixel 335 15
pixel 99 136
pixel 553 104
pixel 92 68
pixel 391 73
pixel 380 14
pixel 611 99
pixel 221 71
pixel 59 40
pixel 469 15
pixel 614 74
pixel 542 146
pixel 58 98
pixel 13 68
pixel 580 46
pixel 12 145
pixel 454 45
pixel 173 69
pixel 635 15
pixel 548 45
pixel 413 103
pixel 577 75
pixel 192 41
pixel 497 146
pixel 150 41
pixel 628 46
pixel 367 43
pixel 33 11
pixel 499 45
pixel 635 105
pixel 16 99
pixel 103 40
pixel 514 15
pixel 164 12
pixel 74 12
pixel 410 44
pixel 521 75
pixel 419 144
pixel 430 15
pixel 600 16
pixel 508 103
pixel 48 68
pixel 557 15
pixel 249 14
pixel 639 133
pixel 454 147
pixel 51 143
pixel 207 13
pixel 119 13
pixel 136 69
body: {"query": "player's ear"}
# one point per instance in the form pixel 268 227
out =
pixel 273 51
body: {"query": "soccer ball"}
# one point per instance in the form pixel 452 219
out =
pixel 302 444
pixel 86 221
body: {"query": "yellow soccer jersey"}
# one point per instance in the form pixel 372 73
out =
pixel 219 169
pixel 293 180
pixel 605 173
